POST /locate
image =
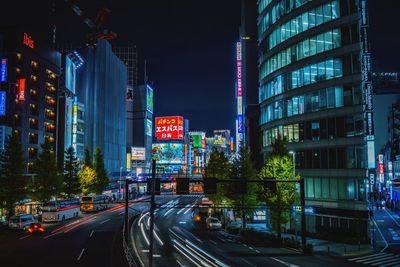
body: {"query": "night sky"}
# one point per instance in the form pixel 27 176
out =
pixel 189 47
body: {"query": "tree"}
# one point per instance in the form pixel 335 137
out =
pixel 71 169
pixel 47 182
pixel 281 198
pixel 101 180
pixel 12 181
pixel 88 160
pixel 87 177
pixel 218 167
pixel 242 168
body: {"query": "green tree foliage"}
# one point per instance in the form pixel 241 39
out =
pixel 101 180
pixel 88 160
pixel 47 182
pixel 242 168
pixel 12 182
pixel 281 198
pixel 71 169
pixel 87 178
pixel 279 147
pixel 218 167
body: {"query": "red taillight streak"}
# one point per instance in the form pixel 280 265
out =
pixel 77 225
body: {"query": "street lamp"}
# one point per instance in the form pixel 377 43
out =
pixel 120 179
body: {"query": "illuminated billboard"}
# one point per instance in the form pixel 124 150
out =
pixel 138 153
pixel 70 74
pixel 240 124
pixel 239 68
pixel 169 128
pixel 21 89
pixel 149 127
pixel 197 141
pixel 168 153
pixel 3 70
pixel 149 99
pixel 2 103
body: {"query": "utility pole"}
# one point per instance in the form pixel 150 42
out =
pixel 303 215
pixel 126 210
pixel 152 206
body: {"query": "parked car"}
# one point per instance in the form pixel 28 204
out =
pixel 213 223
pixel 35 228
pixel 21 221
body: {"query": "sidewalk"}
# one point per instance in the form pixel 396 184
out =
pixel 323 246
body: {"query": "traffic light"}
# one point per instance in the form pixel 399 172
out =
pixel 240 186
pixel 182 186
pixel 157 186
pixel 210 185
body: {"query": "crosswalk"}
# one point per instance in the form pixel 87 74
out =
pixel 380 259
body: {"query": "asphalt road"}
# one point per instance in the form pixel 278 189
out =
pixel 91 240
pixel 179 241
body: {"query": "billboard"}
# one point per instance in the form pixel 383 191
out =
pixel 3 70
pixel 239 68
pixel 2 103
pixel 197 141
pixel 168 153
pixel 169 128
pixel 240 124
pixel 149 127
pixel 149 100
pixel 21 89
pixel 138 153
pixel 70 74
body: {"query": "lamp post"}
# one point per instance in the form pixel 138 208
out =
pixel 120 181
pixel 294 175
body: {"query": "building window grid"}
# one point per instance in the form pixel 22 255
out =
pixel 324 42
pixel 324 70
pixel 315 17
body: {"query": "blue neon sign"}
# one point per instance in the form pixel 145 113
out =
pixel 2 103
pixel 3 70
pixel 240 124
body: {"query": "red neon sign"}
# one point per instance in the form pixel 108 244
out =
pixel 28 41
pixel 381 168
pixel 169 128
pixel 21 89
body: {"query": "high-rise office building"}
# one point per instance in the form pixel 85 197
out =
pixel 101 88
pixel 314 72
pixel 129 55
pixel 29 88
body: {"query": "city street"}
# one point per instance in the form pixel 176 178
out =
pixel 91 240
pixel 179 241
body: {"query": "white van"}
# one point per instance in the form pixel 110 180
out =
pixel 21 221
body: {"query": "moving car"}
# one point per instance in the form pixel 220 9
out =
pixel 213 223
pixel 21 221
pixel 35 228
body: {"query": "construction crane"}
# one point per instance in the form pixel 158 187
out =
pixel 97 26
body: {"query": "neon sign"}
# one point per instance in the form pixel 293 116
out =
pixel 169 128
pixel 21 89
pixel 2 103
pixel 239 68
pixel 3 70
pixel 28 41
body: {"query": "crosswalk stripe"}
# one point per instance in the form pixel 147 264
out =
pixel 366 257
pixel 388 263
pixel 382 259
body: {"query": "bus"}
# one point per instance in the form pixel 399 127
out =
pixel 203 210
pixel 94 203
pixel 60 210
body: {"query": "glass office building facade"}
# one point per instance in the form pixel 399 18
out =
pixel 311 93
pixel 101 88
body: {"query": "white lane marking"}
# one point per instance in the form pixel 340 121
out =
pixel 284 262
pixel 367 257
pixel 80 255
pixel 121 213
pixel 156 256
pixel 145 250
pixel 258 251
pixel 141 218
pixel 105 221
pixel 384 239
pixel 189 208
pixel 51 235
pixel 180 264
pixel 392 218
pixel 212 241
pixel 158 238
pixel 182 209
pixel 144 234
pixel 91 233
pixel 249 263
pixel 251 248
pixel 25 237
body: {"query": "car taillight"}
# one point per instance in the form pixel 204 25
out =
pixel 30 230
pixel 41 229
pixel 35 226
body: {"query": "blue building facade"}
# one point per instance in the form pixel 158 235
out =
pixel 101 88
